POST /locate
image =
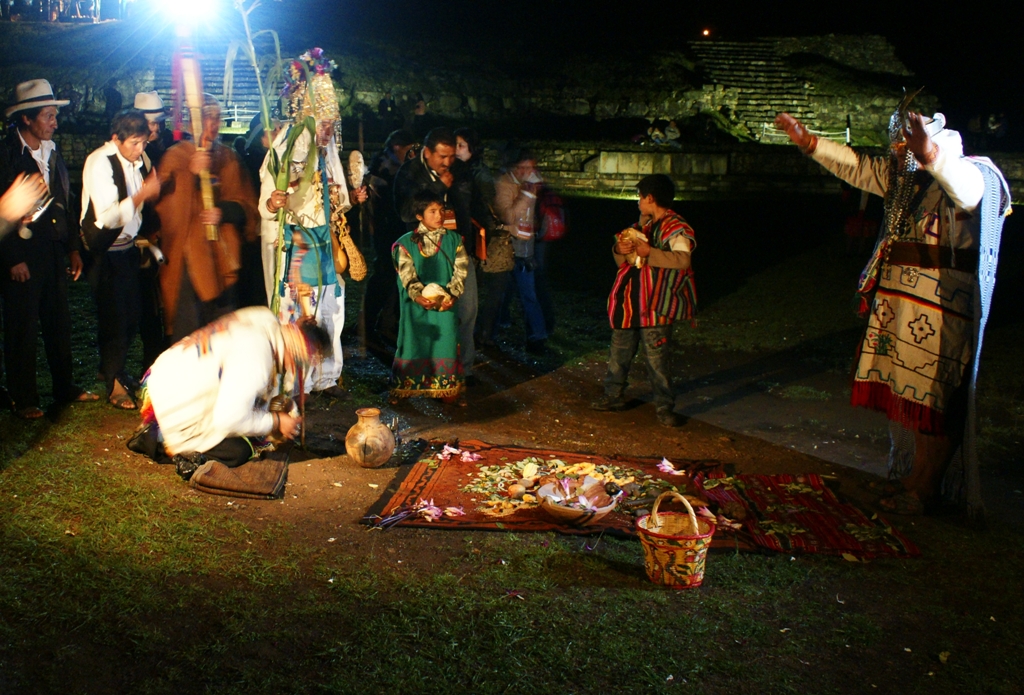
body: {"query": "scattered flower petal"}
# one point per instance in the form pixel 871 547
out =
pixel 666 466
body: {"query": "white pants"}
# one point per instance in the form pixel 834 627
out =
pixel 330 315
pixel 269 250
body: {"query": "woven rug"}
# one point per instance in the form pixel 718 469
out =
pixel 800 514
pixel 781 513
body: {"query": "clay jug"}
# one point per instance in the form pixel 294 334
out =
pixel 369 442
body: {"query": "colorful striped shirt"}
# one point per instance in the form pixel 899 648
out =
pixel 648 296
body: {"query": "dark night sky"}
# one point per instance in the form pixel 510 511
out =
pixel 971 59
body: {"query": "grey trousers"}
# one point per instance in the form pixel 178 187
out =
pixel 467 307
pixel 658 350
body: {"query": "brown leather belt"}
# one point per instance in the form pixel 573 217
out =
pixel 932 256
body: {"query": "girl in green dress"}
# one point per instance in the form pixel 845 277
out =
pixel 432 267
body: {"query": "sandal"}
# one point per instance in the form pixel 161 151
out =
pixel 336 392
pixel 886 488
pixel 84 397
pixel 904 504
pixel 120 397
pixel 123 402
pixel 29 413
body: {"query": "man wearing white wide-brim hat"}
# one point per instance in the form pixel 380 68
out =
pixel 152 106
pixel 151 327
pixel 34 263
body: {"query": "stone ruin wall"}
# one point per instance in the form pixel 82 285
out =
pixel 581 168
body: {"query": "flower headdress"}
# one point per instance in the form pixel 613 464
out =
pixel 309 88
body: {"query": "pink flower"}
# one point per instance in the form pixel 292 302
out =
pixel 427 510
pixel 728 523
pixel 317 53
pixel 666 467
pixel 584 503
pixel 448 452
pixel 468 456
pixel 454 511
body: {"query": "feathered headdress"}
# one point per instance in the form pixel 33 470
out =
pixel 309 89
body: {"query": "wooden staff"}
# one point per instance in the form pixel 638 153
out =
pixel 192 81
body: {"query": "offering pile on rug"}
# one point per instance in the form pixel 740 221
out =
pixel 480 486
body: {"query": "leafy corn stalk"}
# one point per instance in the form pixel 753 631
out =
pixel 278 167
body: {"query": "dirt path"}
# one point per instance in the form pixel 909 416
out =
pixel 514 403
pixel 757 414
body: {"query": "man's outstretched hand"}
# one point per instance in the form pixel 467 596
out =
pixel 797 132
pixel 918 141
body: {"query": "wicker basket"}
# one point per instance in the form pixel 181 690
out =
pixel 356 262
pixel 675 545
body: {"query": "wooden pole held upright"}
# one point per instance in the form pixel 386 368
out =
pixel 193 84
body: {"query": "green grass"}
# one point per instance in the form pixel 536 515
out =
pixel 153 593
pixel 113 581
pixel 803 300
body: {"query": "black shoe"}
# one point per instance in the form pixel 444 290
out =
pixel 666 416
pixel 187 464
pixel 606 403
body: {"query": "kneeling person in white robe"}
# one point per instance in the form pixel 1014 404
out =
pixel 208 395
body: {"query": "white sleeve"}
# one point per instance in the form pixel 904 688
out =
pixel 267 186
pixel 869 174
pixel 243 378
pixel 959 178
pixel 336 174
pixel 98 187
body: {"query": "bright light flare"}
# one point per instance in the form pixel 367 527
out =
pixel 706 32
pixel 187 12
pixel 194 10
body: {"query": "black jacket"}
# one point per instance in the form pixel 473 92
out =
pixel 416 176
pixel 57 225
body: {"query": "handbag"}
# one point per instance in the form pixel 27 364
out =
pixel 501 257
pixel 552 216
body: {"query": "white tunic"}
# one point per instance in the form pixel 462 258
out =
pixel 215 383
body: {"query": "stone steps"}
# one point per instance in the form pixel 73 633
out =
pixel 245 94
pixel 759 73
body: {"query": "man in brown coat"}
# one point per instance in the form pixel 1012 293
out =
pixel 197 284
